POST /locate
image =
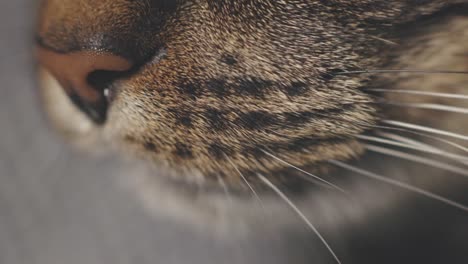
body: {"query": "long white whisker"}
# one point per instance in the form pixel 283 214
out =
pixel 246 181
pixel 400 184
pixel 426 129
pixel 424 93
pixel 448 142
pixel 414 158
pixel 401 71
pixel 303 171
pixel 225 188
pixel 439 107
pixel 299 213
pixel 408 146
pixel 406 127
pixel 385 40
pixel 415 143
pixel 406 140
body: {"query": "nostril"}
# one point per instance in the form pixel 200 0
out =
pixel 85 76
pixel 101 81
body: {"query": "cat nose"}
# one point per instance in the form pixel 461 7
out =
pixel 85 76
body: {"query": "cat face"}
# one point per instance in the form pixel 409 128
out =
pixel 216 89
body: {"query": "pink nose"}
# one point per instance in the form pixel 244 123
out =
pixel 84 75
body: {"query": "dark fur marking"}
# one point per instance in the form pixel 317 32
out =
pixel 296 88
pixel 185 121
pixel 218 86
pixel 191 90
pixel 253 86
pixel 216 119
pixel 150 146
pixel 228 59
pixel 330 74
pixel 182 117
pixel 256 120
pixel 183 150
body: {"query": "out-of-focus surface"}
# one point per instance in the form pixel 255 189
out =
pixel 57 206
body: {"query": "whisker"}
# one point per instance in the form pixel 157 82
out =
pixel 406 140
pixel 408 146
pixel 406 127
pixel 409 126
pixel 401 71
pixel 299 213
pixel 225 188
pixel 417 159
pixel 424 93
pixel 426 129
pixel 246 181
pixel 415 143
pixel 400 184
pixel 303 171
pixel 440 107
pixel 448 142
pixel 385 40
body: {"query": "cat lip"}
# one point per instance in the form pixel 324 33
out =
pixel 95 110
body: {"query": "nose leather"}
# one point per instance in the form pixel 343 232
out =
pixel 73 70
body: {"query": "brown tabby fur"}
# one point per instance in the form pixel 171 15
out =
pixel 220 81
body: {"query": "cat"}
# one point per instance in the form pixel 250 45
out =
pixel 248 109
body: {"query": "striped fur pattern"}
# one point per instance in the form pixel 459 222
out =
pixel 223 83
